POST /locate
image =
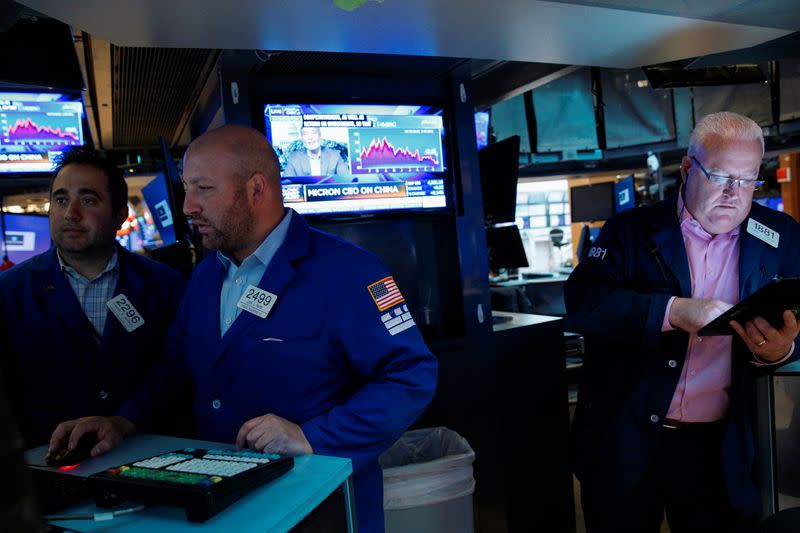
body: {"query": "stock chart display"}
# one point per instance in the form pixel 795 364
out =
pixel 353 158
pixel 34 130
pixel 396 150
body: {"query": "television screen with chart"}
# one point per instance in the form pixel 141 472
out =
pixel 360 158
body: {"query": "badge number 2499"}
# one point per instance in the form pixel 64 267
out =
pixel 257 301
pixel 260 297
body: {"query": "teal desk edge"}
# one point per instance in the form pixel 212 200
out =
pixel 792 369
pixel 276 507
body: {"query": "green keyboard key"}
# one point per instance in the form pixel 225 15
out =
pixel 163 476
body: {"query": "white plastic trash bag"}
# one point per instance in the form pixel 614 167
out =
pixel 426 466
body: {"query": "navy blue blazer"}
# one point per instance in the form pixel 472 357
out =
pixel 54 368
pixel 617 298
pixel 325 358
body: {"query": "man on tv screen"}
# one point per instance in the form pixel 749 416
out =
pixel 315 159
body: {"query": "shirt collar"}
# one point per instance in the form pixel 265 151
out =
pixel 266 250
pixel 113 265
pixel 689 223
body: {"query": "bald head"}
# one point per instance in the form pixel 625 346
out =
pixel 233 194
pixel 245 150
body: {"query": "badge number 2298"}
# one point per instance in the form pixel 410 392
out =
pixel 125 312
pixel 257 301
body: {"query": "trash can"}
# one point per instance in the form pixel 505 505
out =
pixel 428 483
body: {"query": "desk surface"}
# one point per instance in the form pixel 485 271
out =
pixel 792 369
pixel 277 506
pixel 555 278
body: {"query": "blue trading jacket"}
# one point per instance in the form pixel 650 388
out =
pixel 323 358
pixel 54 369
pixel 617 298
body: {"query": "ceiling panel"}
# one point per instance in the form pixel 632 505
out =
pixel 520 30
pixel 154 90
pixel 783 14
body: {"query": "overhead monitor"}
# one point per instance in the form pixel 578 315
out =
pixel 38 52
pixel 35 128
pixel 27 235
pixel 499 168
pixel 360 158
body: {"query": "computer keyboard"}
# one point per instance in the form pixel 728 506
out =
pixel 202 481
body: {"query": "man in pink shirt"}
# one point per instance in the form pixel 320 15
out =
pixel 663 422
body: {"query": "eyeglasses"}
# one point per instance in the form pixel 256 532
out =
pixel 722 181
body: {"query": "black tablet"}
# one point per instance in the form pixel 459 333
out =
pixel 768 302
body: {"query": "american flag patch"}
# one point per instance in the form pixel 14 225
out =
pixel 397 320
pixel 385 293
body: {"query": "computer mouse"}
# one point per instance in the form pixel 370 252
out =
pixel 65 457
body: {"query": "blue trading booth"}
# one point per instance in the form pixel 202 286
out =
pixel 420 213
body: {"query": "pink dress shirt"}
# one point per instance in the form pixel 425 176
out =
pixel 702 391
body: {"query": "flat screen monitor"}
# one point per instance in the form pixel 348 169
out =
pixel 505 247
pixel 26 235
pixel 35 128
pixel 591 203
pixel 38 52
pixel 482 129
pixel 499 168
pixel 359 158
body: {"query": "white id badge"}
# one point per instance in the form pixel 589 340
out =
pixel 760 231
pixel 257 301
pixel 125 312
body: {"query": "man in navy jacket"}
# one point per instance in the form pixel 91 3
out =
pixel 664 417
pixel 65 353
pixel 296 341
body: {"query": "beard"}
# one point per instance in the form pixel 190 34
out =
pixel 230 233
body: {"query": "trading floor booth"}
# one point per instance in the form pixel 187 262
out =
pixel 398 175
pixel 406 186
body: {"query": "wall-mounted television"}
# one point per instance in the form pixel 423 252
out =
pixel 359 158
pixel 35 128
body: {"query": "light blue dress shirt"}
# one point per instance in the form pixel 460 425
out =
pixel 94 294
pixel 249 272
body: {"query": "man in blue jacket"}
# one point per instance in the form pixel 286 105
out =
pixel 296 341
pixel 82 323
pixel 664 418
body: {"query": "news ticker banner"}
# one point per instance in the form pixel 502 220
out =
pixel 344 191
